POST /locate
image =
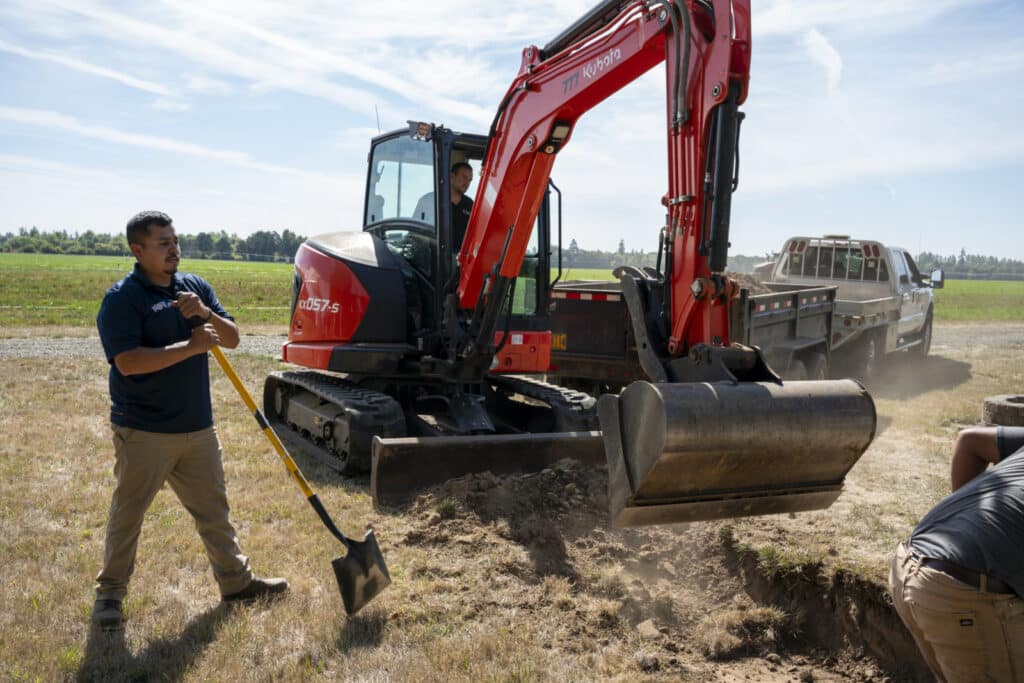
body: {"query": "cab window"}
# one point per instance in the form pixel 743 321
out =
pixel 401 174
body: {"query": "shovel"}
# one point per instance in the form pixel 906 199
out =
pixel 361 573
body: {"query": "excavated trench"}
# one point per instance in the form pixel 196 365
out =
pixel 838 612
pixel 838 622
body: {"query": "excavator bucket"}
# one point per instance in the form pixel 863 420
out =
pixel 680 452
pixel 403 466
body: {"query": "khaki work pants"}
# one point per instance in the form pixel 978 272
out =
pixel 964 634
pixel 191 464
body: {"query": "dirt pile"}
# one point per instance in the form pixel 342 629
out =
pixel 540 544
pixel 750 283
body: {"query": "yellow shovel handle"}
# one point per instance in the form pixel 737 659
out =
pixel 293 469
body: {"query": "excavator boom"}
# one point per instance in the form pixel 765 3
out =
pixel 716 434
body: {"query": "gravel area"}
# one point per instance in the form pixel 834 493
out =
pixel 89 347
pixel 948 337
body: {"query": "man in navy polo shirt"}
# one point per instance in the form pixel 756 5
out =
pixel 957 583
pixel 161 415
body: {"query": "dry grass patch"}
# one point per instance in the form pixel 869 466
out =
pixel 743 629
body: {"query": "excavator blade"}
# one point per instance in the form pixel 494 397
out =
pixel 680 452
pixel 403 466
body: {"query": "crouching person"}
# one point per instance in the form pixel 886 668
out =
pixel 957 582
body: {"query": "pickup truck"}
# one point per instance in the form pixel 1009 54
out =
pixel 883 304
pixel 593 348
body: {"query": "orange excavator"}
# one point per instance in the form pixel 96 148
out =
pixel 426 350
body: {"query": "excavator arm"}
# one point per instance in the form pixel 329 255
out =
pixel 715 433
pixel 706 49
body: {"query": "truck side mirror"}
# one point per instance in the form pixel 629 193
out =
pixel 904 279
pixel 937 278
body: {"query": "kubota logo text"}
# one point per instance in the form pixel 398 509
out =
pixel 602 63
pixel 591 70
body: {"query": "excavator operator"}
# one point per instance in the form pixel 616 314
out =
pixel 460 180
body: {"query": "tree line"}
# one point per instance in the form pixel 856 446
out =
pixel 971 266
pixel 269 245
pixel 262 245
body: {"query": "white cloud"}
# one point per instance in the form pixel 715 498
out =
pixel 68 124
pixel 86 67
pixel 793 17
pixel 164 104
pixel 820 50
pixel 206 85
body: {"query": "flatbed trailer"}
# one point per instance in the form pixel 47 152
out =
pixel 593 346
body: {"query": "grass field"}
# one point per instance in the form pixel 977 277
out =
pixel 52 290
pixel 38 289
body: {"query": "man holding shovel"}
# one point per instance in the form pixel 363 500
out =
pixel 161 414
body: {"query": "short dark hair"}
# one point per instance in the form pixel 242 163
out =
pixel 459 165
pixel 138 227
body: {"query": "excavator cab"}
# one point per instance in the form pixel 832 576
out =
pixel 408 208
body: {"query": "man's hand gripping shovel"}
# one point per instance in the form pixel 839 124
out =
pixel 361 573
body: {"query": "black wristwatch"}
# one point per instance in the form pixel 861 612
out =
pixel 207 319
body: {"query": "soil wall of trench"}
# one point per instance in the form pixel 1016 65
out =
pixel 841 611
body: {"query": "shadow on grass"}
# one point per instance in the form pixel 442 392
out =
pixel 108 658
pixel 904 377
pixel 362 631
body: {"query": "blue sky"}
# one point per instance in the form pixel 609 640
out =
pixel 896 121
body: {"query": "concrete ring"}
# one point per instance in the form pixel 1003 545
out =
pixel 1007 411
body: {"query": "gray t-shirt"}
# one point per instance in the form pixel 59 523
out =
pixel 980 526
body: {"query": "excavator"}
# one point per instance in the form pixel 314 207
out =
pixel 425 354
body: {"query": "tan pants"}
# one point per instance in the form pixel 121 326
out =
pixel 963 633
pixel 191 464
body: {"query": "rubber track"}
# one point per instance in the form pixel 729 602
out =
pixel 370 412
pixel 576 410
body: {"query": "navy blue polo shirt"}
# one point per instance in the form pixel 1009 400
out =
pixel 136 312
pixel 980 526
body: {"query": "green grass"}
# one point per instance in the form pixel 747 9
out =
pixel 978 300
pixel 38 289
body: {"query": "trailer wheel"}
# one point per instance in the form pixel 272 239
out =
pixel 922 349
pixel 817 366
pixel 1007 411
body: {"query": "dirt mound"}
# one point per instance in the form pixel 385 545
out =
pixel 540 546
pixel 533 510
pixel 749 282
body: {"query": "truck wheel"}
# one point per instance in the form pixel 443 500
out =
pixel 869 362
pixel 1007 411
pixel 817 366
pixel 922 349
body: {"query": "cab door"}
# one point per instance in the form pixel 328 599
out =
pixel 910 315
pixel 921 293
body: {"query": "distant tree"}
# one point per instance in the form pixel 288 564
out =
pixel 204 244
pixel 224 249
pixel 622 247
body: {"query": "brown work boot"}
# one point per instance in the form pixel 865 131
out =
pixel 107 615
pixel 258 588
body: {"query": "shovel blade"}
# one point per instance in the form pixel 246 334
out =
pixel 361 573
